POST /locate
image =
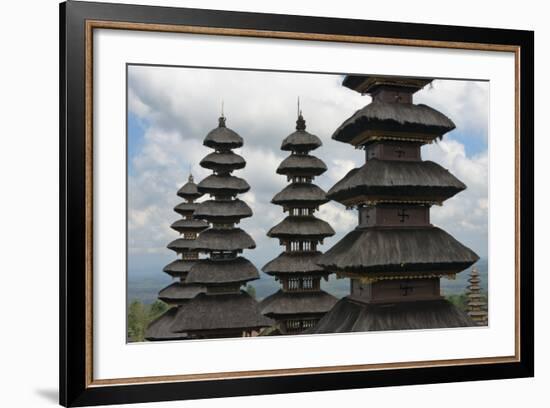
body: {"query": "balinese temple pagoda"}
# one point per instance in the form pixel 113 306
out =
pixel 477 307
pixel 223 309
pixel 395 257
pixel 300 303
pixel 185 246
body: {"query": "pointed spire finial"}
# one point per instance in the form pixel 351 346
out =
pixel 300 123
pixel 190 178
pixel 221 120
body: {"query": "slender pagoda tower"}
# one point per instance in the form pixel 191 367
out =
pixel 300 303
pixel 223 310
pixel 476 303
pixel 395 257
pixel 180 291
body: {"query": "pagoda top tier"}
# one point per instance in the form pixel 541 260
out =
pixel 301 141
pixel 223 138
pixel 391 115
pixel 372 84
pixel 189 190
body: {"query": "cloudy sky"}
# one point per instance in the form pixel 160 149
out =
pixel 171 109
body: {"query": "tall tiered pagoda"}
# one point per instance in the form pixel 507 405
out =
pixel 223 310
pixel 300 303
pixel 477 307
pixel 180 291
pixel 395 257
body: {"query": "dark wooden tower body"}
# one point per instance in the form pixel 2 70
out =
pixel 300 303
pixel 223 309
pixel 477 307
pixel 395 257
pixel 185 246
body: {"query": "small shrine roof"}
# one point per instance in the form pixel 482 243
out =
pixel 222 137
pixel 295 263
pixel 300 193
pixel 301 227
pixel 224 311
pixel 233 239
pixel 302 165
pixel 297 303
pixel 209 271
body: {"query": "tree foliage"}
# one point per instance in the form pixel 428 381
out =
pixel 139 317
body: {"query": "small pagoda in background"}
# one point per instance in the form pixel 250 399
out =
pixel 300 303
pixel 185 246
pixel 477 307
pixel 395 257
pixel 223 309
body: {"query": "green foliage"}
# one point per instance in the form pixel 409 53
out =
pixel 251 290
pixel 139 317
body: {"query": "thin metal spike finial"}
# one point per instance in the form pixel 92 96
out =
pixel 300 123
pixel 221 120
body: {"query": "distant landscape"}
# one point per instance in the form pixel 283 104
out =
pixel 144 288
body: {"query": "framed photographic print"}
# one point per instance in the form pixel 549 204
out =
pixel 255 203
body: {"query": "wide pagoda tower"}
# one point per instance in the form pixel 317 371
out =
pixel 476 303
pixel 223 310
pixel 395 257
pixel 300 303
pixel 185 246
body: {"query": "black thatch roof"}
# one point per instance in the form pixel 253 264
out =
pixel 159 329
pixel 301 226
pixel 189 190
pixel 351 316
pixel 294 263
pixel 186 208
pixel 297 303
pixel 209 271
pixel 178 292
pixel 180 245
pixel 397 250
pixel 368 83
pixel 223 184
pixel 387 117
pixel 223 210
pixel 299 194
pixel 179 267
pixel 223 137
pixel 233 239
pixel 302 165
pixel 218 312
pixel 189 225
pixel 301 141
pixel 390 179
pixel 224 162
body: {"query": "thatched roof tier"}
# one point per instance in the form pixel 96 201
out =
pixel 223 210
pixel 179 267
pixel 223 185
pixel 159 329
pixel 366 84
pixel 395 120
pixel 178 292
pixel 297 303
pixel 301 227
pixel 295 263
pixel 224 311
pixel 223 138
pixel 301 141
pixel 234 239
pixel 388 180
pixel 186 209
pixel 397 250
pixel 210 271
pixel 189 225
pixel 300 195
pixel 189 190
pixel 224 162
pixel 183 245
pixel 302 165
pixel 352 316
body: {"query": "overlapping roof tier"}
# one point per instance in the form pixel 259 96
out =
pixel 301 303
